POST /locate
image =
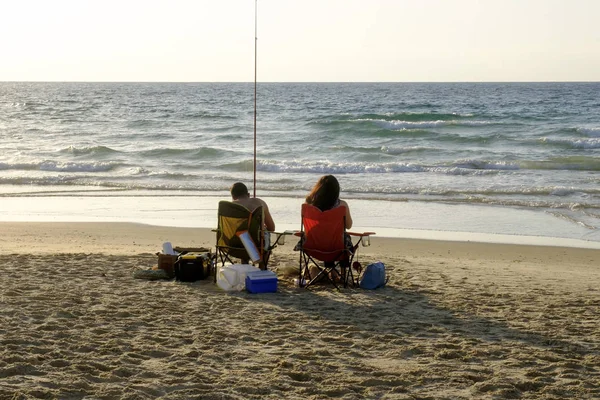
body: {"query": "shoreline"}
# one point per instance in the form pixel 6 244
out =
pixel 125 238
pixel 396 219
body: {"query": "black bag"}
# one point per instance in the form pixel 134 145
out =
pixel 192 267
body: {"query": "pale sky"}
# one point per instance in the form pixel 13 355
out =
pixel 300 40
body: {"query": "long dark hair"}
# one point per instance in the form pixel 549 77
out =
pixel 325 194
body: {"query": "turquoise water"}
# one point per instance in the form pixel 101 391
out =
pixel 508 147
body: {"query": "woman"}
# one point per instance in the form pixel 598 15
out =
pixel 325 195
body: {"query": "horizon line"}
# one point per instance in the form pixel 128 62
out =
pixel 294 82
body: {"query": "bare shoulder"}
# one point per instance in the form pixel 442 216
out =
pixel 343 203
pixel 260 202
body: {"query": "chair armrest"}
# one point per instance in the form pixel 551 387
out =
pixel 360 234
pixel 365 238
pixel 281 236
pixel 284 232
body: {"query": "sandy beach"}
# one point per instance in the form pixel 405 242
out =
pixel 458 320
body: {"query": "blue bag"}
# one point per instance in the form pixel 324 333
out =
pixel 373 277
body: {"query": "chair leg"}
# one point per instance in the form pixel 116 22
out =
pixel 325 272
pixel 265 259
pixel 328 271
pixel 304 274
pixel 350 276
pixel 300 270
pixel 307 273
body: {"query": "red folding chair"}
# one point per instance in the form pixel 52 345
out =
pixel 323 244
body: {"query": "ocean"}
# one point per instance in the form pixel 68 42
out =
pixel 516 159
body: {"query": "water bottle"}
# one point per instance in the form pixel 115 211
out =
pixel 366 241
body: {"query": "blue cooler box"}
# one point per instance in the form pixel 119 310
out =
pixel 261 282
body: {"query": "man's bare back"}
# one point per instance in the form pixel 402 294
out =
pixel 240 195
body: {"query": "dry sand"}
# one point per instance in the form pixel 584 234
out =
pixel 457 321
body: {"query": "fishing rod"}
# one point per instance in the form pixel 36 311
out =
pixel 255 63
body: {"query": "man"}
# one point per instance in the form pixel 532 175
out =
pixel 240 195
